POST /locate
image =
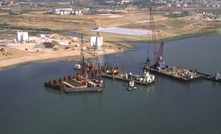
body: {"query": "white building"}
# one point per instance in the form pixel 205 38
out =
pixel 22 37
pixel 62 10
pixel 41 35
pixel 96 43
pixel 66 11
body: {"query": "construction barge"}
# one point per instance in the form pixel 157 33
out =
pixel 112 72
pixel 85 81
pixel 177 73
pixel 144 79
pixel 160 67
pixel 71 84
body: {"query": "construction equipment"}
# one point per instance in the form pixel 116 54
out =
pixel 153 35
pixel 2 50
pixel 47 38
pixel 158 56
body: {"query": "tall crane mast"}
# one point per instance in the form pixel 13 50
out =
pixel 153 35
pixel 157 55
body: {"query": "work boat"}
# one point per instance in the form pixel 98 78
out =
pixel 147 77
pixel 131 86
pixel 144 79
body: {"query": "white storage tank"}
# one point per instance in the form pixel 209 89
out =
pixel 96 42
pixel 76 12
pixel 93 42
pixel 19 36
pixel 99 42
pixel 24 36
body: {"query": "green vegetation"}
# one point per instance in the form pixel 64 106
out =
pixel 5 25
pixel 184 36
pixel 180 37
pixel 176 15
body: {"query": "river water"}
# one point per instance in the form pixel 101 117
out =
pixel 165 107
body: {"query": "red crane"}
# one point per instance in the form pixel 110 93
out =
pixel 153 33
pixel 157 55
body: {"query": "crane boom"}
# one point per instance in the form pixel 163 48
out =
pixel 153 33
pixel 160 54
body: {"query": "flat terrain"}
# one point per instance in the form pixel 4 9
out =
pixel 166 26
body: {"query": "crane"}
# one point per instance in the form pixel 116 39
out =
pixel 153 35
pixel 158 56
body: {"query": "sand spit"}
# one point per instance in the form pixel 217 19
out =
pixel 123 31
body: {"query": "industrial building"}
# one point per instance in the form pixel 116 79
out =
pixel 66 11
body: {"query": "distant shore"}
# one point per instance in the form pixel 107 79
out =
pixel 71 56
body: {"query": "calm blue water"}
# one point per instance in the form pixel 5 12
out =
pixel 165 107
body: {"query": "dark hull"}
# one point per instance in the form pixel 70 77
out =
pixel 67 84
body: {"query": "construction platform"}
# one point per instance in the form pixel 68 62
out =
pixel 177 73
pixel 69 84
pixel 125 77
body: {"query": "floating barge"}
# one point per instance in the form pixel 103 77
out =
pixel 177 73
pixel 85 81
pixel 113 73
pixel 145 79
pixel 70 84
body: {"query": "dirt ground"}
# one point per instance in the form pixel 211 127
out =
pixel 15 54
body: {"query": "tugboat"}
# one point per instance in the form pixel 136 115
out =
pixel 216 76
pixel 131 86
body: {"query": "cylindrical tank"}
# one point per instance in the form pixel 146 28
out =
pixel 99 42
pixel 93 42
pixel 76 12
pixel 24 36
pixel 19 36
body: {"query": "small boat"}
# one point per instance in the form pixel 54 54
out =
pixel 77 66
pixel 214 77
pixel 131 86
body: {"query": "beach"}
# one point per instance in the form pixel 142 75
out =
pixel 20 54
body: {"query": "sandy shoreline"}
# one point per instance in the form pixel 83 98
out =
pixel 54 56
pixel 10 63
